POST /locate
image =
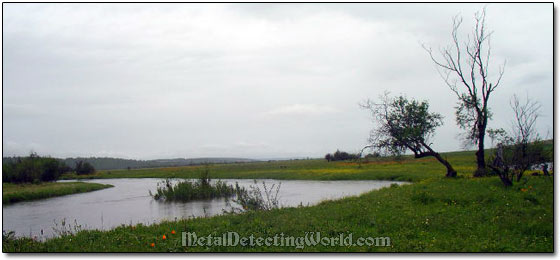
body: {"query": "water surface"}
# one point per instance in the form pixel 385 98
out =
pixel 129 202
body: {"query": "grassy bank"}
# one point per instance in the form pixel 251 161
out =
pixel 434 214
pixel 22 192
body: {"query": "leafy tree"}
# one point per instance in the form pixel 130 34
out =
pixel 404 124
pixel 464 68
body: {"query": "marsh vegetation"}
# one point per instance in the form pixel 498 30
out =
pixel 187 190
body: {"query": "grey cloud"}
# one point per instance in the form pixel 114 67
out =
pixel 253 80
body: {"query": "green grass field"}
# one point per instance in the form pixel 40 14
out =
pixel 406 169
pixel 12 193
pixel 433 214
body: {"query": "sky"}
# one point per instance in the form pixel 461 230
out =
pixel 148 81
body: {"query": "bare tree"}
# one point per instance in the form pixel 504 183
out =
pixel 464 68
pixel 520 149
pixel 526 115
pixel 404 124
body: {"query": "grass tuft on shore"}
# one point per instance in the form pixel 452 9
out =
pixel 12 193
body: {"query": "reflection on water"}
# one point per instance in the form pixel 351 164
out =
pixel 130 203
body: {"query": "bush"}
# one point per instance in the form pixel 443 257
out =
pixel 341 156
pixel 373 155
pixel 83 167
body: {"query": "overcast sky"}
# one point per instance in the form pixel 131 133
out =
pixel 148 81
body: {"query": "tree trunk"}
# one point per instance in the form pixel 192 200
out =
pixel 519 175
pixel 450 171
pixel 480 163
pixel 506 181
pixel 504 175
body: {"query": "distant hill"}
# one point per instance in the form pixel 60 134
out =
pixel 107 163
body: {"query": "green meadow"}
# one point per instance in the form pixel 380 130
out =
pixel 431 214
pixel 405 168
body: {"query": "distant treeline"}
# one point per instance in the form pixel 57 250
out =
pixel 37 169
pixel 107 163
pixel 32 169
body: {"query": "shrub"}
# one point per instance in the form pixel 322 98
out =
pixel 373 155
pixel 341 156
pixel 83 167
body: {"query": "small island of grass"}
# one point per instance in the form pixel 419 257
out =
pixel 188 190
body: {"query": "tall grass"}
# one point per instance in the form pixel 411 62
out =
pixel 194 190
pixel 248 199
pixel 255 199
